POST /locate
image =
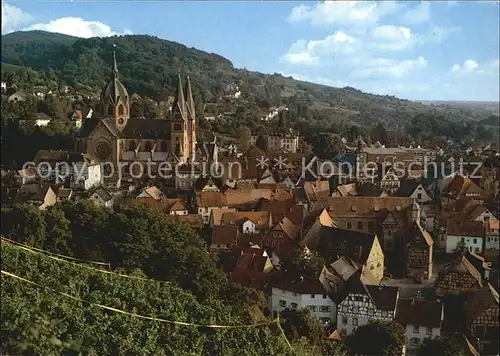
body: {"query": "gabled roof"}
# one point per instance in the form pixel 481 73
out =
pixel 368 207
pixel 418 236
pixel 345 190
pixel 224 235
pixel 216 214
pixel 299 284
pixel 103 194
pixel 407 187
pixel 384 297
pixel 335 242
pixel 261 219
pixel 287 227
pixel 153 192
pixel 421 313
pixel 211 199
pixel 479 302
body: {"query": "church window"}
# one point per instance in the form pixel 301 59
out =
pixel 121 121
pixel 111 110
pixel 148 146
pixel 120 109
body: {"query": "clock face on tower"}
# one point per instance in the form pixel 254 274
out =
pixel 103 150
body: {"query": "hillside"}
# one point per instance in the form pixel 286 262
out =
pixel 149 66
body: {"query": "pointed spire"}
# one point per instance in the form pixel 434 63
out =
pixel 179 102
pixel 114 71
pixel 189 99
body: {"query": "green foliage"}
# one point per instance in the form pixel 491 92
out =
pixel 262 143
pixel 440 346
pixel 39 321
pixel 301 323
pixel 377 338
pixel 327 145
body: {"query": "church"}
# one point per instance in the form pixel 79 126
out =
pixel 117 138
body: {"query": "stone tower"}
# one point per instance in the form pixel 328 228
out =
pixel 191 121
pixel 179 124
pixel 115 101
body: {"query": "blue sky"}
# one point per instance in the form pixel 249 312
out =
pixel 417 50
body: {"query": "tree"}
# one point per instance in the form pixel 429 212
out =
pixel 261 143
pixel 379 133
pixel 243 135
pixel 24 223
pixel 301 323
pixel 440 346
pixel 327 145
pixel 377 338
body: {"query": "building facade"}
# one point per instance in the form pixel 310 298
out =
pixel 117 138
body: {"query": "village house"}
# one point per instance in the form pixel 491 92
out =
pixel 415 190
pixel 248 222
pixel 365 302
pixel 419 253
pixel 482 315
pixel 463 234
pixel 40 195
pixel 363 248
pixel 252 267
pixel 80 171
pixel 463 187
pixel 286 140
pixel 36 119
pixel 102 198
pixel 206 201
pixel 223 237
pixel 300 292
pixel 388 217
pixel 19 96
pixel 492 236
pixel 390 181
pixel 421 320
pixel 458 277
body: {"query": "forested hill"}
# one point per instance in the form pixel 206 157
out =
pixel 149 66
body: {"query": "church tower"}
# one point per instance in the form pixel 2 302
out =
pixel 178 122
pixel 191 121
pixel 115 101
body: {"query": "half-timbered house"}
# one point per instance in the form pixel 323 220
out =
pixel 418 253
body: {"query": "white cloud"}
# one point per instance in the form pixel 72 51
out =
pixel 436 34
pixel 392 38
pixel 385 67
pixel 343 12
pixel 13 17
pixel 418 14
pixel 75 26
pixel 310 52
pixel 470 66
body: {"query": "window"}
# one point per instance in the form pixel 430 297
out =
pixel 476 250
pixel 294 306
pixel 325 320
pixel 370 310
pixel 312 296
pixel 163 147
pixel 416 329
pixel 313 308
pixel 120 109
pixel 344 320
pixel 324 296
pixel 283 303
pixel 360 225
pixel 349 225
pixel 428 331
pixel 177 127
pixel 147 146
pixel 475 241
pixel 325 308
pixel 419 196
pixel 389 232
pixel 415 341
pixel 132 145
pixel 355 309
pixel 354 321
pixel 358 298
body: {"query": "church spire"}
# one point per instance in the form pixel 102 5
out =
pixel 189 100
pixel 179 102
pixel 114 71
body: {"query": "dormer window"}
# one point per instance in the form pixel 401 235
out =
pixel 353 208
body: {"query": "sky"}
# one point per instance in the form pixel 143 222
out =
pixel 440 50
